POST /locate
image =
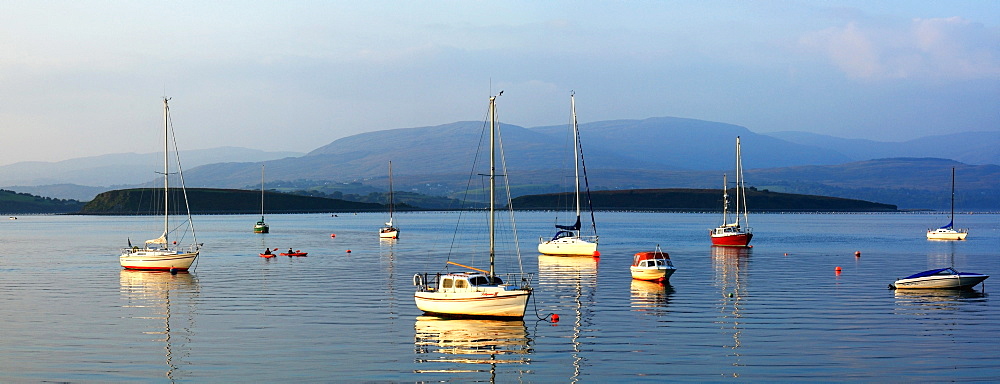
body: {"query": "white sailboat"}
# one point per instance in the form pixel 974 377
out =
pixel 948 232
pixel 568 240
pixel 476 292
pixel 261 226
pixel 160 254
pixel 734 234
pixel 389 231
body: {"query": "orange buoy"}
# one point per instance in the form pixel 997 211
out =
pixel 333 235
pixel 348 251
pixel 838 270
pixel 555 318
pixel 786 253
pixel 857 253
pixel 597 253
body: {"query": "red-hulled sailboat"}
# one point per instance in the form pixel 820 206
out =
pixel 736 233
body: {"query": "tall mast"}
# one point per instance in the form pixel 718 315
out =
pixel 725 199
pixel 493 133
pixel 390 193
pixel 262 192
pixel 953 197
pixel 576 154
pixel 741 195
pixel 166 171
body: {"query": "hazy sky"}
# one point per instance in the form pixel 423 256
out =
pixel 83 78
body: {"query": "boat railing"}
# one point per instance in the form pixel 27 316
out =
pixel 428 282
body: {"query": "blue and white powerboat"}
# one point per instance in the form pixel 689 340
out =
pixel 943 278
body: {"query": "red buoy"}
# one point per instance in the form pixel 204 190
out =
pixel 597 253
pixel 555 318
pixel 348 251
pixel 333 235
pixel 838 270
pixel 857 253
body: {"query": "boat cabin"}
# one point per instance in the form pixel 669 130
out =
pixel 651 260
pixel 562 234
pixel 458 282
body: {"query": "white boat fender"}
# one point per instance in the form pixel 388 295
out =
pixel 418 280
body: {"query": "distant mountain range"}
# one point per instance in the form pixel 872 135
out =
pixel 660 152
pixel 123 168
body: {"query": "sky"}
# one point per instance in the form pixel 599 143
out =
pixel 85 78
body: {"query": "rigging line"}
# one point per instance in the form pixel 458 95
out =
pixel 180 172
pixel 464 203
pixel 510 204
pixel 586 183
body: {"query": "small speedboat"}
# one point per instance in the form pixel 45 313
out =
pixel 652 266
pixel 943 278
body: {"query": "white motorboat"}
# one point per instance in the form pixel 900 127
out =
pixel 942 278
pixel 160 254
pixel 568 240
pixel 477 292
pixel 652 266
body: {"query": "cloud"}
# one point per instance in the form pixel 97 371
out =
pixel 938 48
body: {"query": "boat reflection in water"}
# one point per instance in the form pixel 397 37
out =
pixel 453 346
pixel 164 304
pixel 651 297
pixel 920 302
pixel 731 265
pixel 573 278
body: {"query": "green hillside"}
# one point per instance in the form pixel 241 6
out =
pixel 19 203
pixel 146 201
pixel 702 200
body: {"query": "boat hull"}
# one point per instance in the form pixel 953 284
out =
pixel 261 229
pixel 960 281
pixel 946 234
pixel 487 303
pixel 388 234
pixel 732 239
pixel 652 273
pixel 568 246
pixel 146 260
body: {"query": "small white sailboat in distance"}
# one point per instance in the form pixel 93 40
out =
pixel 568 240
pixel 389 231
pixel 162 254
pixel 477 292
pixel 261 226
pixel 948 232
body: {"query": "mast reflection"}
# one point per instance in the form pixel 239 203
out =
pixel 168 300
pixel 731 265
pixel 575 277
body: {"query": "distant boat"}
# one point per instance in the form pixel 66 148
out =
pixel 160 254
pixel 567 240
pixel 943 278
pixel 476 292
pixel 734 234
pixel 389 231
pixel 652 266
pixel 261 226
pixel 948 232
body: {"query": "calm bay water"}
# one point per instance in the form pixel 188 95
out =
pixel 776 312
